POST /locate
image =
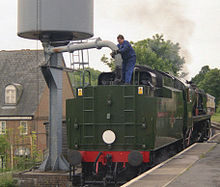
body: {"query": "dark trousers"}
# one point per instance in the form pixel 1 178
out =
pixel 127 69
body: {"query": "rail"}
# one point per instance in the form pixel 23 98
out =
pixel 215 125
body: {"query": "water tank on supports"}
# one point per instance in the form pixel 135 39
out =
pixel 55 20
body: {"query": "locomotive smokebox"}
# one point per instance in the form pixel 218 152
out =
pixel 55 20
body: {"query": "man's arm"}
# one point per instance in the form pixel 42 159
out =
pixel 125 47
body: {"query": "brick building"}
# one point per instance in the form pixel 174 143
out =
pixel 24 103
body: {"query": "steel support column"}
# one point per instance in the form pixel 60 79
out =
pixel 54 78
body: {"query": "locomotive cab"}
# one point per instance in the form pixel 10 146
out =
pixel 142 75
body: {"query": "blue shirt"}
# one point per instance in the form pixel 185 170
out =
pixel 126 50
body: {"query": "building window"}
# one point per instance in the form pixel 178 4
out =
pixel 10 94
pixel 2 127
pixel 23 128
pixel 22 151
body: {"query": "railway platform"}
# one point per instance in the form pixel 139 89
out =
pixel 198 165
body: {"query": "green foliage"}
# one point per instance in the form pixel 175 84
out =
pixel 26 162
pixel 209 80
pixel 76 77
pixel 36 154
pixel 4 150
pixel 6 180
pixel 22 163
pixel 218 109
pixel 159 54
pixel 4 145
pixel 199 77
pixel 25 141
pixel 109 62
pixel 216 117
pixel 211 83
pixel 156 53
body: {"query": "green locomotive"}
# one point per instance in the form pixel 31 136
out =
pixel 118 131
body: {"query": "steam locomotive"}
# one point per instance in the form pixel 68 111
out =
pixel 118 131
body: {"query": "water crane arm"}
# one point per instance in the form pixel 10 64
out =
pixel 98 44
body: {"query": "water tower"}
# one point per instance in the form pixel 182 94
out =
pixel 55 23
pixel 55 20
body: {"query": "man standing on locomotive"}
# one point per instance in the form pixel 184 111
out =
pixel 128 56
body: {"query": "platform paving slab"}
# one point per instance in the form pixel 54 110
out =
pixel 168 172
pixel 204 173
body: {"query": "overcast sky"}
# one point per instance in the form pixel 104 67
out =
pixel 192 23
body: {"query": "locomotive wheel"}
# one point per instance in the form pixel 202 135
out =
pixel 204 133
pixel 187 140
pixel 208 133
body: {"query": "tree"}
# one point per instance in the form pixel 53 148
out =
pixel 76 77
pixel 109 62
pixel 199 77
pixel 4 145
pixel 156 53
pixel 211 83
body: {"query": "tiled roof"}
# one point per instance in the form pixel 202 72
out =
pixel 21 67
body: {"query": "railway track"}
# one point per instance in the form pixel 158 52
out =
pixel 215 125
pixel 215 130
